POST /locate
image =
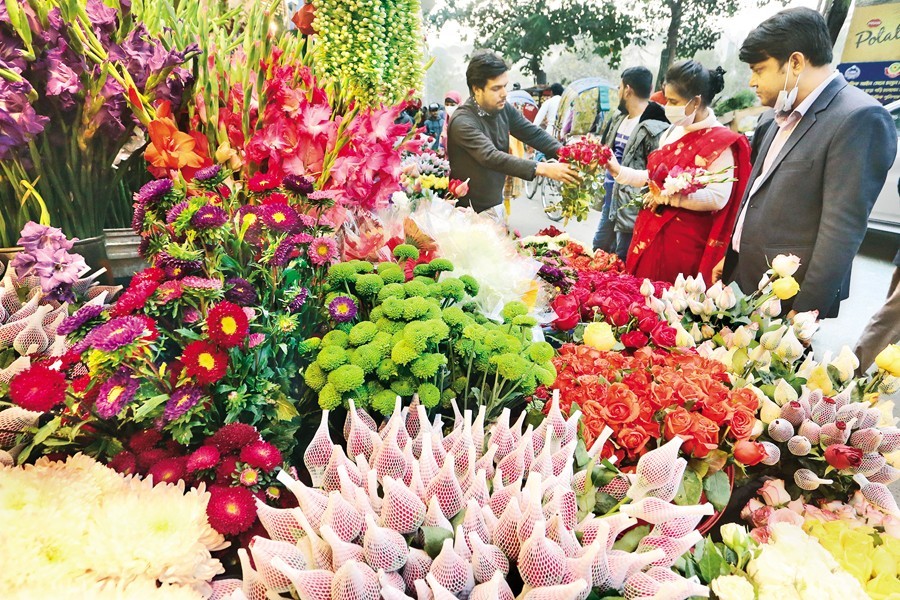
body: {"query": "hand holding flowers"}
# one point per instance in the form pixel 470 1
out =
pixel 589 157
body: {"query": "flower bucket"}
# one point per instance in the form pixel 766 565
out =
pixel 122 248
pixel 93 249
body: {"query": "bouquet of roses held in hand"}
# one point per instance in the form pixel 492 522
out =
pixel 589 157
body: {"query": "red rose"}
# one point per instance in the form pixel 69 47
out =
pixel 749 453
pixel 843 457
pixel 621 405
pixel 705 435
pixel 664 336
pixel 742 424
pixel 567 312
pixel 678 422
pixel 648 324
pixel 633 440
pixel 635 339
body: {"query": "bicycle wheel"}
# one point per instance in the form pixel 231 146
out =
pixel 551 196
pixel 531 187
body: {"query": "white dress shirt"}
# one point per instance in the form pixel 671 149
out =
pixel 781 137
pixel 712 197
pixel 547 114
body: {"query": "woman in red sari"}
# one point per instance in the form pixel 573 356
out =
pixel 689 233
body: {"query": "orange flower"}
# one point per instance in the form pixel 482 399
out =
pixel 170 148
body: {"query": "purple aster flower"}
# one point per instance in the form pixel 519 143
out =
pixel 283 253
pixel 116 333
pixel 175 211
pixel 209 217
pixel 279 217
pixel 207 173
pixel 182 400
pixel 176 268
pixel 201 283
pixel 79 318
pixel 240 291
pixel 42 237
pixel 58 267
pixel 137 220
pixel 154 191
pixel 551 273
pixel 342 309
pixel 115 393
pixel 298 184
pixel 299 300
pixel 322 251
pixel 19 122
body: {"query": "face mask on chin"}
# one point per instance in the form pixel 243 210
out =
pixel 784 105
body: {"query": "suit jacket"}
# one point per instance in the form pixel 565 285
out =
pixel 815 199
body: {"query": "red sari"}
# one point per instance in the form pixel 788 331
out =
pixel 679 240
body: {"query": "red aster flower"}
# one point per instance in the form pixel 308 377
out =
pixel 231 510
pixel 233 436
pixel 249 477
pixel 263 182
pixel 144 440
pixel 38 388
pixel 134 298
pixel 204 457
pixel 227 324
pixel 149 274
pixel 169 470
pixel 124 462
pixel 261 455
pixel 147 459
pixel 204 361
pixel 225 470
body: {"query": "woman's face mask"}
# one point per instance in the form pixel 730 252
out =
pixel 678 115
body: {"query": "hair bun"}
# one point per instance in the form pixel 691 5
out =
pixel 716 80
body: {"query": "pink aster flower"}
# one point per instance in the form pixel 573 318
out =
pixel 322 251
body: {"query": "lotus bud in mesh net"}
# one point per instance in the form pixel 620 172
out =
pixel 384 548
pixel 543 462
pixel 222 589
pixel 495 588
pixel 461 543
pixel 438 591
pixel 617 524
pixel 445 487
pixel 319 548
pixel 563 535
pixel 871 464
pixel 452 571
pixel 264 551
pixel 449 441
pixel 437 444
pixel 391 579
pixel 252 586
pixel 667 492
pixel 834 433
pixel 371 491
pixel 27 309
pixel 555 420
pixel 401 509
pixel 891 440
pixel 434 516
pixel 478 431
pixel 810 430
pixel 843 397
pixel 541 561
pixel 532 509
pixel 867 439
pixel 390 461
pixel 567 591
pixel 489 520
pixel 310 584
pixel 677 527
pixel 563 503
pixel 655 469
pixel 280 523
pixel 330 479
pixel 514 464
pixel 473 521
pixel 655 511
pixel 617 487
pixel 643 585
pixel 590 565
pixel 773 454
pixel 780 430
pixel 486 462
pixel 390 593
pixel 886 475
pixel 358 436
pixel 596 529
pixel 877 494
pixel 564 458
pixel 412 417
pixel 502 436
pixel 478 489
pixel 824 411
pixel 14 420
pixel 422 590
pixel 799 445
pixel 502 494
pixel 416 483
pixel 341 551
pixel 319 451
pixel 486 559
pixel 793 413
pixel 624 564
pixel 428 465
pixel 397 424
pixel 355 581
pixel 673 547
pixel 417 566
pixel 342 517
pixel 33 339
pixel 807 480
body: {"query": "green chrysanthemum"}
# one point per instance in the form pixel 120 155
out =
pixel 540 352
pixel 427 366
pixel 386 370
pixel 513 310
pixel 391 290
pixel 340 274
pixel 332 357
pixel 404 353
pixel 362 333
pixel 329 397
pixel 335 337
pixel 404 386
pixel 390 326
pixel 394 275
pixel 509 366
pixel 346 378
pixel 367 358
pixel 369 285
pixel 440 265
pixel 315 377
pixel 406 252
pixel 416 288
pixel 471 284
pixel 525 321
pixel 393 308
pixel 415 308
pixel 453 289
pixel 429 395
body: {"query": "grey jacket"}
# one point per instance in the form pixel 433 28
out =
pixel 815 199
pixel 478 149
pixel 644 140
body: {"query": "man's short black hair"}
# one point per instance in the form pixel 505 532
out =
pixel 639 79
pixel 557 89
pixel 793 30
pixel 485 65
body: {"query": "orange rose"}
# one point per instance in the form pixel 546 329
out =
pixel 749 453
pixel 678 422
pixel 717 412
pixel 633 440
pixel 621 405
pixel 745 398
pixel 742 424
pixel 705 434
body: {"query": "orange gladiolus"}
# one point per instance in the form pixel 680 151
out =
pixel 170 148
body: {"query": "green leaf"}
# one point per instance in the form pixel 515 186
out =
pixel 629 542
pixel 149 406
pixel 581 455
pixel 46 431
pixel 739 362
pixel 690 489
pixel 434 539
pixel 710 561
pixel 605 503
pixel 189 334
pixel 718 489
pixel 285 409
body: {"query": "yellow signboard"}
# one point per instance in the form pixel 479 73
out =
pixel 871 58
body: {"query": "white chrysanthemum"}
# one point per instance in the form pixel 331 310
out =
pixel 80 588
pixel 65 520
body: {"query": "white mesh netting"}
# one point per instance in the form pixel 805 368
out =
pixel 452 571
pixel 541 561
pixel 384 548
pixel 355 581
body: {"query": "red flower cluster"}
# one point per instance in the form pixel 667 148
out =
pixel 585 153
pixel 204 361
pixel 653 396
pixel 38 388
pixel 575 256
pixel 227 324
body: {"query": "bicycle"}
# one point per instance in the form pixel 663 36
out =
pixel 550 192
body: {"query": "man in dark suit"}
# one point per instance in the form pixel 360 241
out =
pixel 819 166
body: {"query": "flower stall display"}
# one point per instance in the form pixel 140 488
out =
pixel 79 78
pixel 415 514
pixel 564 260
pixel 79 529
pixel 589 158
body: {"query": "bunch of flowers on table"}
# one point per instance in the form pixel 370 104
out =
pixel 393 337
pixel 564 260
pixel 589 157
pixel 427 175
pixel 482 512
pixel 79 529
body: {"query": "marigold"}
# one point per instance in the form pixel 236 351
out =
pixel 227 324
pixel 204 361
